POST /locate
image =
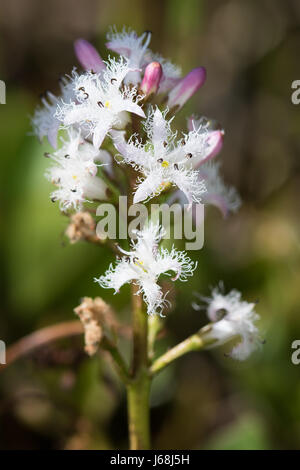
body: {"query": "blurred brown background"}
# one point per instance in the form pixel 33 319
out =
pixel 59 398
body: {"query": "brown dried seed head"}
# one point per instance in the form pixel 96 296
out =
pixel 82 227
pixel 95 314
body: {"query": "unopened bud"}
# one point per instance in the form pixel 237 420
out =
pixel 88 56
pixel 152 77
pixel 186 87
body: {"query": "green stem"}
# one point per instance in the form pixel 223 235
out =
pixel 138 413
pixel 138 389
pixel 192 343
pixel 154 327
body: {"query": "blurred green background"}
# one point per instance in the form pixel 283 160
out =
pixel 59 398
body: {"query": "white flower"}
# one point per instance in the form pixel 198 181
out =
pixel 128 44
pixel 101 105
pixel 74 172
pixel 225 198
pixel 44 121
pixel 144 264
pixel 232 317
pixel 165 162
pixel 135 48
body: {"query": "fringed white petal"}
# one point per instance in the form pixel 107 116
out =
pixel 225 198
pixel 149 187
pixel 118 275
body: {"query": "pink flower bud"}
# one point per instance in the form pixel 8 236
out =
pixel 187 87
pixel 88 56
pixel 152 77
pixel 215 144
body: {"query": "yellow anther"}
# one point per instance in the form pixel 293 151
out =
pixel 107 104
pixel 165 164
pixel 74 177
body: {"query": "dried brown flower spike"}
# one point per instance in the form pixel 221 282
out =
pixel 82 227
pixel 93 313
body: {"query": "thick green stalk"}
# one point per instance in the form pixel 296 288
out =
pixel 138 413
pixel 138 389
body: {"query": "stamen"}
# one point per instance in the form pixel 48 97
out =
pixel 113 80
pixel 163 162
pixel 221 313
pixel 189 155
pixel 100 104
pixel 176 167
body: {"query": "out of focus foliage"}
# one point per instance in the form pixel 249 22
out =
pixel 59 398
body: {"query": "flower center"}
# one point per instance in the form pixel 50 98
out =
pixel 164 164
pixel 107 105
pixel 140 264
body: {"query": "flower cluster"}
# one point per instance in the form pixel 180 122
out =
pixel 121 111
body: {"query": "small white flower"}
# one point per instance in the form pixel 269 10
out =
pixel 100 104
pixel 44 121
pixel 232 317
pixel 74 172
pixel 164 161
pixel 225 198
pixel 218 194
pixel 128 44
pixel 144 264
